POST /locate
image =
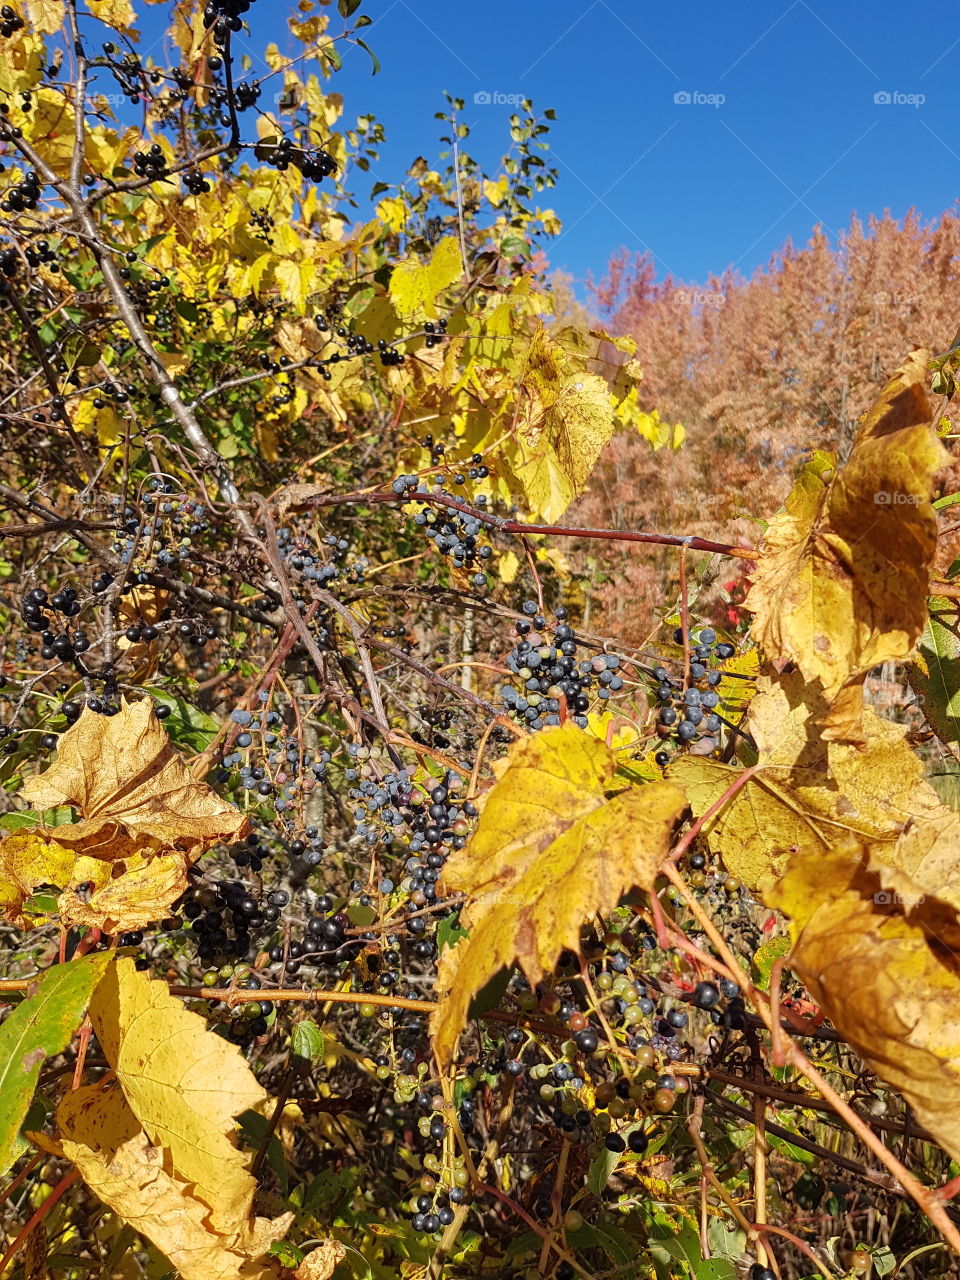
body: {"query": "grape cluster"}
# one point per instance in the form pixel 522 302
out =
pixel 455 534
pixel 550 672
pixel 314 565
pixel 60 645
pixel 687 715
pixel 128 71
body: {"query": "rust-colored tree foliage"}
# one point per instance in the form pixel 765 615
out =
pixel 761 372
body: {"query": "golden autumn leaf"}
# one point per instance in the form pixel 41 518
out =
pixel 101 1135
pixel 46 16
pixel 415 286
pixel 550 849
pixel 891 990
pixel 842 582
pixel 184 1084
pixel 118 14
pixel 808 788
pixel 565 417
pixel 142 892
pixel 124 770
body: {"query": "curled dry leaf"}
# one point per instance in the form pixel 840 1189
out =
pixel 843 579
pixel 550 850
pixel 184 1084
pixel 890 989
pixel 124 770
pixel 807 789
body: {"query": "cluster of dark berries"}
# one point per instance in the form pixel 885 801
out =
pixel 195 182
pixel 316 566
pixel 127 72
pixel 224 16
pixel 435 332
pixel 23 195
pixel 150 164
pixel 10 21
pixel 40 254
pixel 454 533
pixel 688 715
pixel 56 645
pixel 549 671
pixel 9 262
pixel 324 942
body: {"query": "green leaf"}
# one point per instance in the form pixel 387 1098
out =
pixel 765 957
pixel 290 1256
pixel 449 931
pixel 332 55
pixel 17 821
pixel 373 57
pixel 254 1128
pixel 186 724
pixel 307 1041
pixel 347 7
pixel 514 247
pixel 714 1269
pixel 601 1167
pixel 489 996
pixel 40 1026
pixel 938 690
pixel 187 309
pixel 947 500
pixel 797 1154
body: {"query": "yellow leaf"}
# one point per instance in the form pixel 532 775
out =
pixel 118 14
pixel 392 212
pixel 184 1084
pixel 296 281
pixel 889 990
pixel 144 891
pixel 564 419
pixel 549 851
pixel 175 362
pixel 124 770
pixel 100 1134
pixel 496 192
pixel 27 861
pixel 415 286
pixel 508 566
pixel 46 16
pixel 808 787
pixel 843 579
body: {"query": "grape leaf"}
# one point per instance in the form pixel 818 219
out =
pixel 842 581
pixel 550 849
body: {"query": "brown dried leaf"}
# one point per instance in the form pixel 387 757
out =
pixel 124 769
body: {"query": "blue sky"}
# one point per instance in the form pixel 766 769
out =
pixel 705 134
